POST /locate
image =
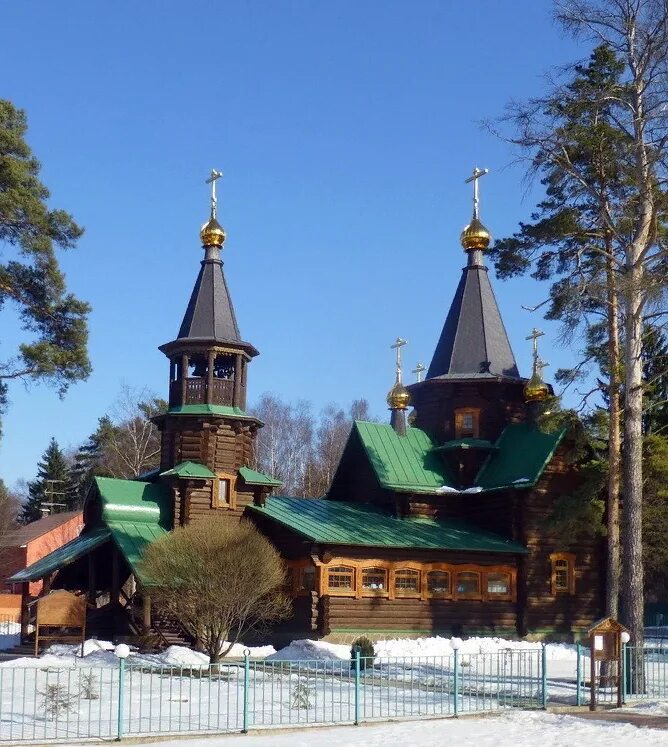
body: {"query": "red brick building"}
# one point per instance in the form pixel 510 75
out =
pixel 26 545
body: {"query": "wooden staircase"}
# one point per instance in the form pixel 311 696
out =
pixel 170 630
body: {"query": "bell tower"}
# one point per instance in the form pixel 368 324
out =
pixel 206 423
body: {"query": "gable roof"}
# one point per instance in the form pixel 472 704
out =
pixel 414 463
pixel 25 534
pixel 63 556
pixel 523 452
pixel 361 524
pixel 473 341
pixel 136 514
pixel 403 463
pixel 133 500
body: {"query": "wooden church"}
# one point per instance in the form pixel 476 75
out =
pixel 433 523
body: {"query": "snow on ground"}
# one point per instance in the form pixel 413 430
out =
pixel 561 657
pixel 649 708
pixel 101 654
pixel 518 729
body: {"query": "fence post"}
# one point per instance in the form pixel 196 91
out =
pixel 357 686
pixel 121 692
pixel 456 688
pixel 578 675
pixel 543 676
pixel 244 729
pixel 622 674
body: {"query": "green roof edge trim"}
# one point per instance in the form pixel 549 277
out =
pixel 253 477
pixel 189 469
pixel 223 410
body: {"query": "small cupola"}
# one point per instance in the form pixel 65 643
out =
pixel 536 391
pixel 398 398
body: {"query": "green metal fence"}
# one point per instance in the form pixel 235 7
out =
pixel 644 675
pixel 48 702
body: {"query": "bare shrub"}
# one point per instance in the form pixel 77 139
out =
pixel 220 579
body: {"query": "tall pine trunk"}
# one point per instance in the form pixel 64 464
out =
pixel 613 569
pixel 632 561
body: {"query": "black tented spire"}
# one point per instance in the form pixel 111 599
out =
pixel 473 341
pixel 210 314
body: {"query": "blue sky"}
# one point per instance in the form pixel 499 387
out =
pixel 345 131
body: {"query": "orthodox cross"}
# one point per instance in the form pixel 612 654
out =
pixel 215 175
pixel 535 334
pixel 397 345
pixel 477 173
pixel 540 365
pixel 418 371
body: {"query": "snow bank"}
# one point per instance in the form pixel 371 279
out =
pixel 312 650
pixel 419 647
pixel 101 654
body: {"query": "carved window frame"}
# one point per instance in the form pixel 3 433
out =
pixel 231 480
pixel 460 412
pixel 569 559
pixel 424 569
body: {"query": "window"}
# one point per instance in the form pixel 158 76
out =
pixel 468 585
pixel 374 580
pixel 563 573
pixel 407 582
pixel 341 578
pixel 498 585
pixel 306 579
pixel 466 423
pixel 223 491
pixel 438 583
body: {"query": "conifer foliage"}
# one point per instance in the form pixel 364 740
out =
pixel 54 321
pixel 51 486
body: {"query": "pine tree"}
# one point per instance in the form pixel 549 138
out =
pixel 53 478
pixel 90 460
pixel 55 322
pixel 569 243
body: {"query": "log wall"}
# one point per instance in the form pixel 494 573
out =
pixel 223 446
pixel 342 614
pixel 435 402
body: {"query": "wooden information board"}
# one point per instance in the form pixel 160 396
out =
pixel 60 609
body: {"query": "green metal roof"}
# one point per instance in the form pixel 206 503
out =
pixel 466 443
pixel 135 501
pixel 361 524
pixel 236 412
pixel 403 463
pixel 189 469
pixel 136 513
pixel 132 539
pixel 258 478
pixel 523 453
pixel 63 556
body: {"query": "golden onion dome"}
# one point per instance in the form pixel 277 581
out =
pixel 475 236
pixel 398 398
pixel 536 390
pixel 212 233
